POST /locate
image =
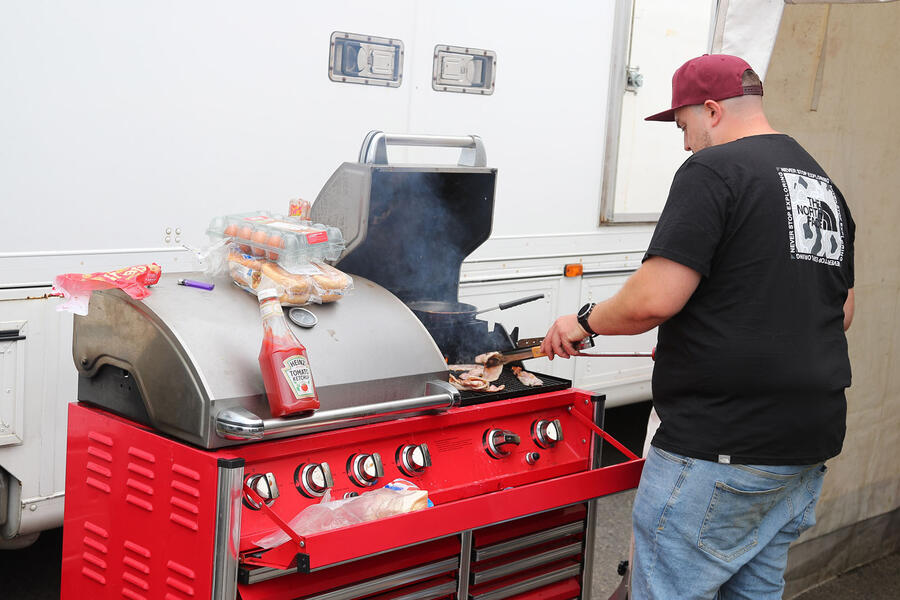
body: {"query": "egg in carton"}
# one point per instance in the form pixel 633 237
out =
pixel 291 242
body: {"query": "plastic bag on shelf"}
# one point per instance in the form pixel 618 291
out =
pixel 398 497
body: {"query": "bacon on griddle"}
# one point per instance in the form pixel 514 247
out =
pixel 492 364
pixel 474 383
pixel 527 378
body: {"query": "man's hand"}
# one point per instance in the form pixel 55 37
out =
pixel 559 340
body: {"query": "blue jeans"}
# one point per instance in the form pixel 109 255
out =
pixel 704 530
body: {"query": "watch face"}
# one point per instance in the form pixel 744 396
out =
pixel 585 310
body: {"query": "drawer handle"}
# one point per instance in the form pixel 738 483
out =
pixel 11 335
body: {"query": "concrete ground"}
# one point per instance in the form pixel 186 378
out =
pixel 878 580
pixel 611 542
pixel 33 573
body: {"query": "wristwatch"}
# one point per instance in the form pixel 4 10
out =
pixel 583 315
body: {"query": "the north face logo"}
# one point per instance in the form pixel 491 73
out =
pixel 815 221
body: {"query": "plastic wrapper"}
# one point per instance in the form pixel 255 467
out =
pixel 312 283
pixel 299 208
pixel 77 287
pixel 398 497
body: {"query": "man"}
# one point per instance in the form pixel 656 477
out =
pixel 749 276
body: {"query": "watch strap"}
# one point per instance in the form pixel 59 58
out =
pixel 583 320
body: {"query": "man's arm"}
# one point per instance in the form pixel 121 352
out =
pixel 658 290
pixel 849 307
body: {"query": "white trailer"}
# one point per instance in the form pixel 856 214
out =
pixel 126 127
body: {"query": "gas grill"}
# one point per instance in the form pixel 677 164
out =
pixel 175 466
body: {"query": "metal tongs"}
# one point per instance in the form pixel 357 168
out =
pixel 531 348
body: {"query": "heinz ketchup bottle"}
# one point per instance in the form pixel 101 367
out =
pixel 282 359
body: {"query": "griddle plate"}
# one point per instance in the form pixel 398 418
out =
pixel 513 388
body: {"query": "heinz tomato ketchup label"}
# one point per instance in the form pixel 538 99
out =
pixel 283 362
pixel 299 376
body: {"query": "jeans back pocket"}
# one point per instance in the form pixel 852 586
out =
pixel 731 525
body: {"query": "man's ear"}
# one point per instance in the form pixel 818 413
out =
pixel 713 112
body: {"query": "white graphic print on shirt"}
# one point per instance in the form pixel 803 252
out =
pixel 815 222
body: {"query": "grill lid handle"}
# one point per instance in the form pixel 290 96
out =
pixel 241 424
pixel 374 146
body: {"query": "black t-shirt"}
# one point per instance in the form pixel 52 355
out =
pixel 753 369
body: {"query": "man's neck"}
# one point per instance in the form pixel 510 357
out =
pixel 757 125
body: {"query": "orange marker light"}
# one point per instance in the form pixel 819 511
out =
pixel 574 270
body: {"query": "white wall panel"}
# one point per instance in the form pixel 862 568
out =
pixel 12 384
pixel 543 126
pixel 47 380
pixel 121 119
pixel 665 34
pixel 622 379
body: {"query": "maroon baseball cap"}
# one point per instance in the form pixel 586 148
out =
pixel 707 77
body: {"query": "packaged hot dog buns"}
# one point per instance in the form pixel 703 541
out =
pixel 316 282
pixel 244 270
pixel 330 282
pixel 295 289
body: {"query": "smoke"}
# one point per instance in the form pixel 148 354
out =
pixel 421 226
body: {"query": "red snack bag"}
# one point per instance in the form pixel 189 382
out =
pixel 77 287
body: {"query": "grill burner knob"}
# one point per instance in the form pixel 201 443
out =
pixel 546 433
pixel 532 457
pixel 312 479
pixel 496 440
pixel 413 459
pixel 265 486
pixel 365 469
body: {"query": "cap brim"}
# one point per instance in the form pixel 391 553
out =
pixel 666 115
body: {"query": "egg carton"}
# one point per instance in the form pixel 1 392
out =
pixel 288 241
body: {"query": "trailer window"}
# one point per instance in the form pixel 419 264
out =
pixel 657 36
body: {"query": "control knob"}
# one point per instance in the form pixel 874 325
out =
pixel 413 459
pixel 546 433
pixel 312 479
pixel 496 442
pixel 264 485
pixel 365 469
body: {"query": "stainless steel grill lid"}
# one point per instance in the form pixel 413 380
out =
pixel 182 356
pixel 409 227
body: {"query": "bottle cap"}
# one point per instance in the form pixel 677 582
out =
pixel 266 294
